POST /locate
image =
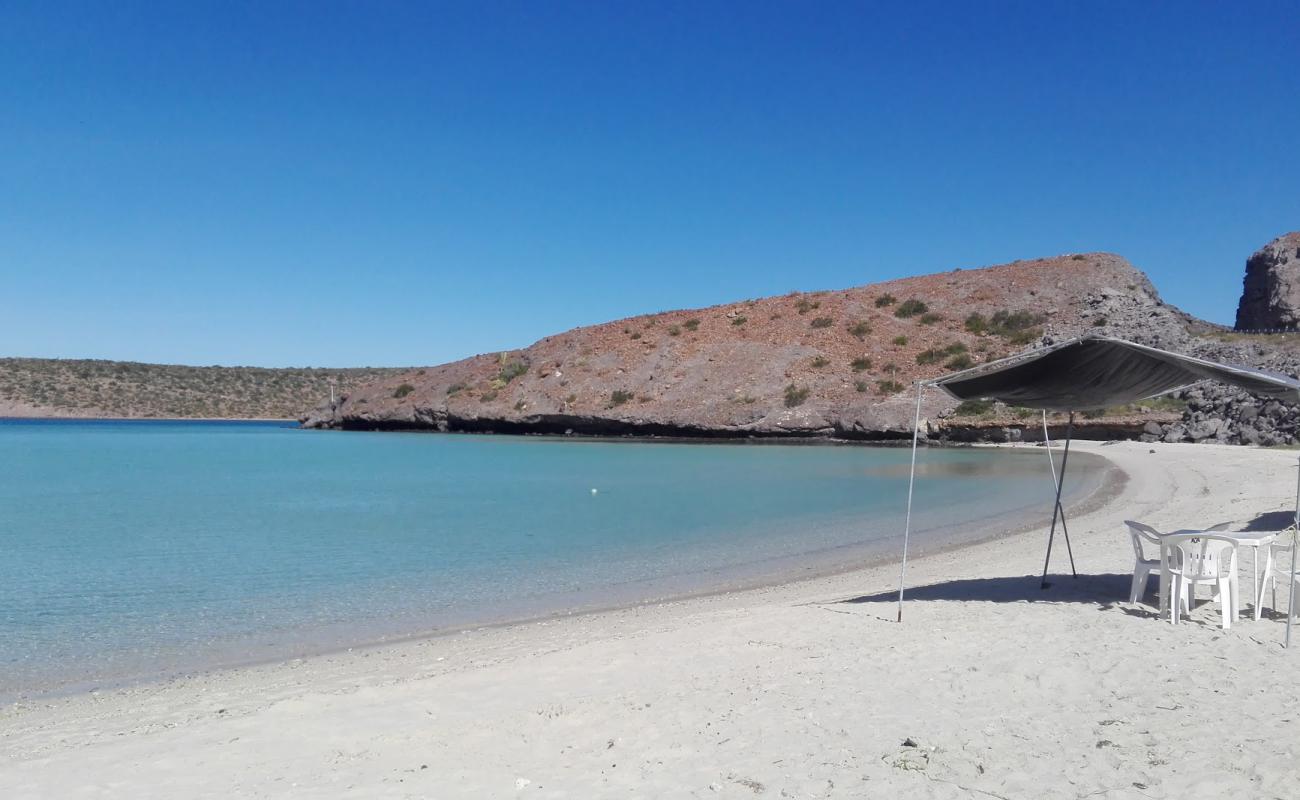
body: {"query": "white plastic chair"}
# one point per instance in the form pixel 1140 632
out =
pixel 1272 564
pixel 1143 567
pixel 1196 558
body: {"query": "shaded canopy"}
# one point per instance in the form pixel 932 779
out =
pixel 1095 372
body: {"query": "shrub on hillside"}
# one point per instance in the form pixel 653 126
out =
pixel 973 408
pixel 803 305
pixel 511 370
pixel 1017 327
pixel 910 308
pixel 934 355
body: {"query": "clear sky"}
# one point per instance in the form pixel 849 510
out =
pixel 388 184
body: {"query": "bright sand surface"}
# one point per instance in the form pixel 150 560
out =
pixel 807 689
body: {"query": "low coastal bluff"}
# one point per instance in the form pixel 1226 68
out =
pixel 79 388
pixel 835 364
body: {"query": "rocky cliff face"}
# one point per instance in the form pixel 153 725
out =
pixel 835 363
pixel 1271 295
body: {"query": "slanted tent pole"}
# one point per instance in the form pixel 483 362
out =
pixel 1295 545
pixel 1056 483
pixel 911 481
pixel 1065 457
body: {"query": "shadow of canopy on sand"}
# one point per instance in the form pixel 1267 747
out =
pixel 1271 521
pixel 1102 589
pixel 1078 375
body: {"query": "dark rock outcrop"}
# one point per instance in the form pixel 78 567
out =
pixel 1270 297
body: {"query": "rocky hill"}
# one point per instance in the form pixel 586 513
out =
pixel 34 387
pixel 833 363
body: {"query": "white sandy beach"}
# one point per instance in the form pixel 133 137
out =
pixel 803 690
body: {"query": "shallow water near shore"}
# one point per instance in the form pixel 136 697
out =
pixel 134 550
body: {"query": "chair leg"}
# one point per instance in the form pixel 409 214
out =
pixel 1225 601
pixel 1259 596
pixel 1291 592
pixel 1236 599
pixel 1254 574
pixel 1176 599
pixel 1139 583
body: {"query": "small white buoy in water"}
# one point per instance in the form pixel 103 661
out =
pixel 593 491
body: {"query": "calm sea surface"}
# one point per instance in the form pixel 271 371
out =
pixel 138 549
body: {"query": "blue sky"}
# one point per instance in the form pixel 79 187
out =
pixel 388 184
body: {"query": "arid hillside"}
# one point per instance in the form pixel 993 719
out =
pixel 36 387
pixel 838 363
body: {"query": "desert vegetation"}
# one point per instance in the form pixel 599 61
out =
pixel 618 397
pixel 934 355
pixel 910 308
pixel 796 395
pixel 95 388
pixel 510 370
pixel 1017 327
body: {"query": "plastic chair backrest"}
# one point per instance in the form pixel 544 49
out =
pixel 1285 539
pixel 1138 532
pixel 1201 555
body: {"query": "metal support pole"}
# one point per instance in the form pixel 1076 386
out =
pixel 1295 545
pixel 911 481
pixel 1056 483
pixel 1065 458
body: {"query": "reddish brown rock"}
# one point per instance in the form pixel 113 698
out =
pixel 834 363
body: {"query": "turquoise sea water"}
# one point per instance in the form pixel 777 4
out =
pixel 139 549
